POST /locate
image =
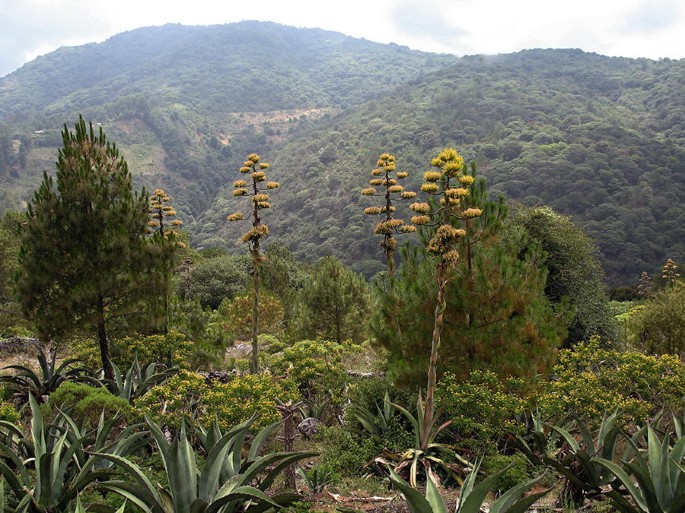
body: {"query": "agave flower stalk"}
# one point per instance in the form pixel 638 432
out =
pixel 387 179
pixel 254 188
pixel 447 185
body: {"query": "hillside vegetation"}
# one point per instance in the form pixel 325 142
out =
pixel 595 137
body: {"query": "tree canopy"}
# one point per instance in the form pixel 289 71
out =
pixel 86 265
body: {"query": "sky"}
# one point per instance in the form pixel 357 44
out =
pixel 629 28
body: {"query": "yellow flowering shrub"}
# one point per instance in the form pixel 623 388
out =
pixel 188 396
pixel 316 366
pixel 244 396
pixel 590 381
pixel 172 348
pixel 482 409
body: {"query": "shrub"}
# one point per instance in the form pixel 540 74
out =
pixel 175 400
pixel 172 348
pixel 244 396
pixel 343 454
pixel 316 366
pixel 86 403
pixel 590 381
pixel 9 413
pixel 516 470
pixel 482 410
pixel 188 396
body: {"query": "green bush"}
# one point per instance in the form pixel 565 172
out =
pixel 316 366
pixel 345 454
pixel 482 410
pixel 244 396
pixel 517 470
pixel 172 348
pixel 9 413
pixel 86 403
pixel 590 381
pixel 188 396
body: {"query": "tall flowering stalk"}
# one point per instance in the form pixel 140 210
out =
pixel 448 185
pixel 387 178
pixel 164 225
pixel 254 186
pixel 163 214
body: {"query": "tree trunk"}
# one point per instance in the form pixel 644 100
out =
pixel 104 342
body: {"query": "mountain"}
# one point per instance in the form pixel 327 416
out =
pixel 184 102
pixel 601 139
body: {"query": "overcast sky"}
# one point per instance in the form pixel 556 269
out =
pixel 629 28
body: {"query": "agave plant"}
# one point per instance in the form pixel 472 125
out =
pixel 223 485
pixel 138 380
pixel 472 496
pixel 106 438
pixel 655 481
pixel 43 382
pixel 375 424
pixel 576 460
pixel 50 479
pixel 238 447
pixel 427 453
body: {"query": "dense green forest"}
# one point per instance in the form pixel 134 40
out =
pixel 597 138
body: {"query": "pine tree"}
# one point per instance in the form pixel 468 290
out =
pixel 450 185
pixel 255 189
pixel 383 177
pixel 333 304
pixel 473 296
pixel 85 265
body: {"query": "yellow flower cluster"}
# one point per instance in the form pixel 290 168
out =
pixel 259 176
pixel 420 208
pixel 472 212
pixel 466 180
pixel 240 192
pixel 255 233
pixel 272 185
pixel 387 227
pixel 377 172
pixel 395 188
pixel 420 220
pixel 441 243
pixel 449 161
pixel 429 187
pixel 408 195
pixel 456 192
pixel 432 176
pixel 238 216
pixel 369 191
pixel 240 183
pixel 372 210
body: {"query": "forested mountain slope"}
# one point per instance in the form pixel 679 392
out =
pixel 596 137
pixel 186 103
